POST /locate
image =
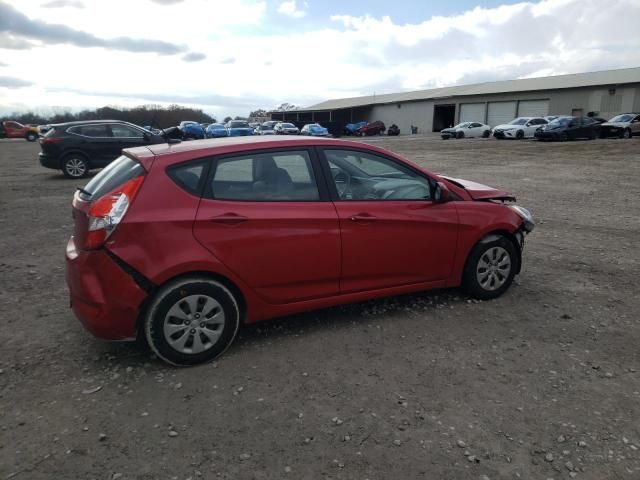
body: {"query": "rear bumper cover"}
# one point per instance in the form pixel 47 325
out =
pixel 104 297
pixel 49 161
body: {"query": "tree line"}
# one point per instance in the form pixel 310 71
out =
pixel 157 116
pixel 154 115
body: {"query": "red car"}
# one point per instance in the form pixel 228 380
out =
pixel 375 128
pixel 10 129
pixel 183 243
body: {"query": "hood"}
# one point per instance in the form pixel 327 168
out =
pixel 448 130
pixel 479 191
pixel 615 124
pixel 506 126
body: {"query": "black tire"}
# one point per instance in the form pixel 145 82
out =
pixel 482 254
pixel 459 135
pixel 564 137
pixel 75 165
pixel 31 137
pixel 486 134
pixel 519 134
pixel 626 134
pixel 175 295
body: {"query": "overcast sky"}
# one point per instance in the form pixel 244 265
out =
pixel 231 56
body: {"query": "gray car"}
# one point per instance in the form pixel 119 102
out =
pixel 625 125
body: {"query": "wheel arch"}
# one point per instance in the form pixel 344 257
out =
pixel 225 281
pixel 494 235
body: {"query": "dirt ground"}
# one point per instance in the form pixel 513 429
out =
pixel 541 383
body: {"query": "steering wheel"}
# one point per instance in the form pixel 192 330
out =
pixel 343 183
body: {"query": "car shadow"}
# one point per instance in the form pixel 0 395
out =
pixel 304 324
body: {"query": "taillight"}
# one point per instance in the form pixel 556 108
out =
pixel 49 140
pixel 108 211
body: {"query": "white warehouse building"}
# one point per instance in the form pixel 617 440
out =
pixel 604 94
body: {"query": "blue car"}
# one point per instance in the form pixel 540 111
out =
pixel 216 130
pixel 352 128
pixel 239 128
pixel 314 130
pixel 191 130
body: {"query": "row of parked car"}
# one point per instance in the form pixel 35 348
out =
pixel 239 128
pixel 558 127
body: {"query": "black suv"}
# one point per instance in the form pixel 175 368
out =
pixel 77 147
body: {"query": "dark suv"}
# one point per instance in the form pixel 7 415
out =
pixel 77 147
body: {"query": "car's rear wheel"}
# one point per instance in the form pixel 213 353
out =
pixel 519 134
pixel 31 137
pixel 490 268
pixel 191 320
pixel 75 166
pixel 486 134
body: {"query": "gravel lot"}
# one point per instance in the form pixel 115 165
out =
pixel 541 383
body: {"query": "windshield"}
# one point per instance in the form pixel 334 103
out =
pixel 265 127
pixel 288 125
pixel 518 121
pixel 240 125
pixel 315 125
pixel 216 125
pixel 622 118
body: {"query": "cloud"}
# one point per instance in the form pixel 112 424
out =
pixel 63 3
pixel 167 2
pixel 194 57
pixel 228 61
pixel 16 24
pixel 290 8
pixel 12 82
pixel 10 42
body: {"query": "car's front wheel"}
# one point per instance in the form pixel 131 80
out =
pixel 191 320
pixel 519 134
pixel 75 166
pixel 31 137
pixel 490 268
pixel 626 133
pixel 460 135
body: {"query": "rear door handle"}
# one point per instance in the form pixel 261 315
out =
pixel 363 218
pixel 229 219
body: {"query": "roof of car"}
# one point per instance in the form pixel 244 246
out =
pixel 89 122
pixel 218 146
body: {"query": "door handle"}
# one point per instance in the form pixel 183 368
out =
pixel 229 219
pixel 363 218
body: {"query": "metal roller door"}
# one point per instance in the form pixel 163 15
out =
pixel 472 112
pixel 501 112
pixel 533 108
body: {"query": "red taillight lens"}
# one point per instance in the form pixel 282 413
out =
pixel 50 140
pixel 106 213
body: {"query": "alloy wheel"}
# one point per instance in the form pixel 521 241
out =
pixel 75 167
pixel 493 268
pixel 194 324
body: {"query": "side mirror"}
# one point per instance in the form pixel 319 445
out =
pixel 146 137
pixel 441 193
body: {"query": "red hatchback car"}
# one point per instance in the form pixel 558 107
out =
pixel 183 243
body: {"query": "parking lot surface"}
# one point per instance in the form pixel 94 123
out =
pixel 542 383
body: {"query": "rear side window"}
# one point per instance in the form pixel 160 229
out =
pixel 95 131
pixel 188 176
pixel 115 174
pixel 125 131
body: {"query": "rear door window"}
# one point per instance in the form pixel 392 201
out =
pixel 93 131
pixel 265 177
